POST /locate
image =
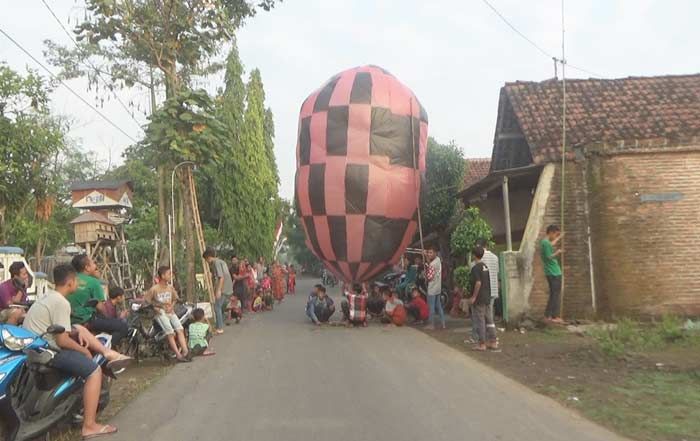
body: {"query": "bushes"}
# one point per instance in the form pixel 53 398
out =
pixel 631 336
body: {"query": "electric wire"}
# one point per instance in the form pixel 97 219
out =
pixel 55 77
pixel 97 71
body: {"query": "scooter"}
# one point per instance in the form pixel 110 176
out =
pixel 34 397
pixel 146 338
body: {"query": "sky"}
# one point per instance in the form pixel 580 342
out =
pixel 454 54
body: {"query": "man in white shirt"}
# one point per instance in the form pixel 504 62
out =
pixel 433 273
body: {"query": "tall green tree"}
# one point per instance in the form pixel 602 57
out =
pixel 445 177
pixel 253 198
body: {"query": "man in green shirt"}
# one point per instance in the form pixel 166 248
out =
pixel 552 270
pixel 90 288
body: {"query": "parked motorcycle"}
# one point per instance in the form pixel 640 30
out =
pixel 34 397
pixel 328 279
pixel 146 338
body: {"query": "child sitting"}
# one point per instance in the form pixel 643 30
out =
pixel 235 308
pixel 258 301
pixel 199 334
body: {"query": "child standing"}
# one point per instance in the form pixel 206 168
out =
pixel 292 280
pixel 199 334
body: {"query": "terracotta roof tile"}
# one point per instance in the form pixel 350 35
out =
pixel 91 216
pixel 476 169
pixel 634 108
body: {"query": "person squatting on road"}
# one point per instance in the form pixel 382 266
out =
pixel 552 270
pixel 394 310
pixel 481 303
pixel 354 306
pixel 418 307
pixel 199 333
pixel 90 289
pixel 74 346
pixel 375 301
pixel 320 306
pixel 12 292
pixel 163 297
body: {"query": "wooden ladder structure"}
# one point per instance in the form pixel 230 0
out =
pixel 200 235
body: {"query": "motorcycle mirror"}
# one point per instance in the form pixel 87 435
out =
pixel 55 330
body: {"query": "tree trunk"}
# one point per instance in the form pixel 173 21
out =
pixel 163 216
pixel 446 253
pixel 190 247
pixel 3 239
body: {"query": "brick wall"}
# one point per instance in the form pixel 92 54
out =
pixel 576 301
pixel 646 252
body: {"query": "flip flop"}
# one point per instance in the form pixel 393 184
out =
pixel 120 363
pixel 103 432
pixel 208 354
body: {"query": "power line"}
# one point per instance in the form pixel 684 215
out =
pixel 99 75
pixel 94 109
pixel 535 45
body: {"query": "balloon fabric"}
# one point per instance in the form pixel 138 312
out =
pixel 360 164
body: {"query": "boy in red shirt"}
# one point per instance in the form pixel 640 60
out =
pixel 418 307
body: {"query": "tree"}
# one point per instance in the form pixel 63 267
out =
pixel 31 142
pixel 471 228
pixel 445 177
pixel 296 240
pixel 185 129
pixel 248 191
pixel 124 39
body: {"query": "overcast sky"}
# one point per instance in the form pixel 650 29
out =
pixel 454 54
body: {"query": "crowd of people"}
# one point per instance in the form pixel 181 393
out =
pixel 416 299
pixel 242 287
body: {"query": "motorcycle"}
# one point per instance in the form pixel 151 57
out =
pixel 328 279
pixel 145 337
pixel 35 397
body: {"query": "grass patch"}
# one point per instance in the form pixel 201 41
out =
pixel 629 336
pixel 650 406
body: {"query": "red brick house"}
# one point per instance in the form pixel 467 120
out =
pixel 631 193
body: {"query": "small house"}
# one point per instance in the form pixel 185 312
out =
pixel 627 192
pixel 92 227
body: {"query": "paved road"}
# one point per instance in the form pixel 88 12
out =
pixel 275 377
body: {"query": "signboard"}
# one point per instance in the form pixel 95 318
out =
pixel 661 197
pixel 97 199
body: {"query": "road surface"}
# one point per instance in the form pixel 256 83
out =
pixel 277 378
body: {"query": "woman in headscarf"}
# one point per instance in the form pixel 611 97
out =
pixel 278 282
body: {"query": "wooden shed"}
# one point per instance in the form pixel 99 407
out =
pixel 91 227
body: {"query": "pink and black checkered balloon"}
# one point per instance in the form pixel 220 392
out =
pixel 358 181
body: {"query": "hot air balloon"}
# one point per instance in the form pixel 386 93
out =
pixel 360 161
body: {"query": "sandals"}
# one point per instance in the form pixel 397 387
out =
pixel 120 363
pixel 104 431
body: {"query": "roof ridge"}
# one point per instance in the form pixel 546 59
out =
pixel 627 78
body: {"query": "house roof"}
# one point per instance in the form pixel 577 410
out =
pixel 634 108
pixel 476 169
pixel 91 216
pixel 106 185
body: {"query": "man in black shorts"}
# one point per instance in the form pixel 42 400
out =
pixel 74 346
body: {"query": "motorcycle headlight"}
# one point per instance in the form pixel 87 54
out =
pixel 15 343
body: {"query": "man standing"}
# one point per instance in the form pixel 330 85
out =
pixel 90 288
pixel 552 270
pixel 481 303
pixel 74 344
pixel 163 297
pixel 433 274
pixel 14 291
pixel 491 262
pixel 223 287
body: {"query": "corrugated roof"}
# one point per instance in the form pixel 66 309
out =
pixel 108 185
pixel 91 216
pixel 635 108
